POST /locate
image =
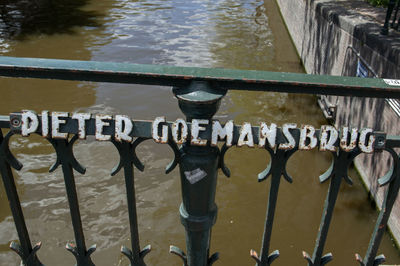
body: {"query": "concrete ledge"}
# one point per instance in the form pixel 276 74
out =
pixel 322 30
pixel 365 26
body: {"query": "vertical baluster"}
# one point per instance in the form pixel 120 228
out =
pixel 130 197
pixel 276 169
pixel 329 206
pixel 24 248
pixel 68 162
pixel 393 179
pixel 128 158
pixel 336 172
pixel 267 259
pixel 198 164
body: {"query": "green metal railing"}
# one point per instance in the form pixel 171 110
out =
pixel 199 92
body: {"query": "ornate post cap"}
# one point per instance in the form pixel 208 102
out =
pixel 199 99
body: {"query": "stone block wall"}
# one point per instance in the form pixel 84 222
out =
pixel 328 35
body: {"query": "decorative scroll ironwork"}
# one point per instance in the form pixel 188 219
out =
pixel 68 162
pixel 24 248
pixel 221 163
pixel 280 151
pixel 337 172
pixel 392 179
pixel 276 168
pixel 128 158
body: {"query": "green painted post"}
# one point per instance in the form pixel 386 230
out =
pixel 198 166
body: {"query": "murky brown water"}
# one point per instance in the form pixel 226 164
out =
pixel 221 33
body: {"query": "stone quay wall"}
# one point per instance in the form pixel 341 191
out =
pixel 330 37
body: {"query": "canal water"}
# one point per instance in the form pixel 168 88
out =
pixel 238 34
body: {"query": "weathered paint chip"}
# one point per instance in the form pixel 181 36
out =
pixel 291 141
pixel 55 124
pixel 100 123
pixel 45 124
pixel 363 144
pixel 164 130
pixel 195 130
pixel 307 132
pixel 219 132
pixel 344 140
pixel 81 117
pixel 267 133
pixel 123 127
pixel 29 122
pixel 246 136
pixel 328 138
pixel 179 131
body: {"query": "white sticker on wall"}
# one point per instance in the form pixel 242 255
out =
pixel 195 175
pixel 392 82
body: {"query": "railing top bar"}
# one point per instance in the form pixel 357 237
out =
pixel 4 121
pixel 181 76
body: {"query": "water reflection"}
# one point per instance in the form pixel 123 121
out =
pixel 21 18
pixel 221 33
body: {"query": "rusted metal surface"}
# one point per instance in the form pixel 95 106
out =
pixel 155 129
pixel 196 128
pixel 100 124
pixel 199 131
pixel 246 136
pixel 348 141
pixel 291 142
pixel 180 131
pixel 45 124
pixel 29 122
pixel 365 143
pixel 308 140
pixel 56 121
pixel 123 127
pixel 81 118
pixel 267 133
pixel 328 138
pixel 222 132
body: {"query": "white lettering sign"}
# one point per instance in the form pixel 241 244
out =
pixel 202 132
pixel 29 122
pixel 55 124
pixel 392 82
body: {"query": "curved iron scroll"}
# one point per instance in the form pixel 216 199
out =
pixel 68 162
pixel 276 168
pixel 128 158
pixel 221 163
pixel 177 251
pixel 336 172
pixel 24 248
pixel 392 179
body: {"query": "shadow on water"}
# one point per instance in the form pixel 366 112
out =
pixel 18 19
